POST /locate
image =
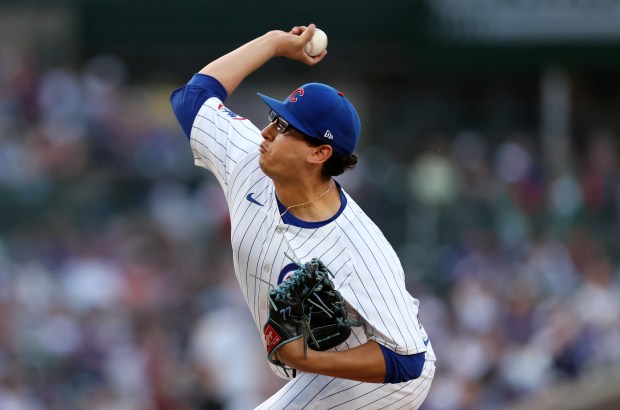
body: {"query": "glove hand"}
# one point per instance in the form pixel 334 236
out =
pixel 306 306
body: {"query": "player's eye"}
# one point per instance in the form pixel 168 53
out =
pixel 281 124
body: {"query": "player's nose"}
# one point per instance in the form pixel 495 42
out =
pixel 269 132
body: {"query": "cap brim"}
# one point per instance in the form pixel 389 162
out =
pixel 281 109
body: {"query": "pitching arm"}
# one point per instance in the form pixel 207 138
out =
pixel 231 69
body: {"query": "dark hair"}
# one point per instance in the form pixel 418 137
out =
pixel 336 164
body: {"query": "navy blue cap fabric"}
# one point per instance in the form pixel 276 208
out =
pixel 321 112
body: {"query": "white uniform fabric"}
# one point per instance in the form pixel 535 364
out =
pixel 366 268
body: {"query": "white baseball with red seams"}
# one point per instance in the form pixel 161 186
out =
pixel 317 43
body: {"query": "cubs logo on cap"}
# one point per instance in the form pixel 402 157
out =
pixel 297 93
pixel 321 112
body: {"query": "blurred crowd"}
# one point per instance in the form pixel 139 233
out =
pixel 116 282
pixel 522 272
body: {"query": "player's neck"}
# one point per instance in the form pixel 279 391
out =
pixel 310 202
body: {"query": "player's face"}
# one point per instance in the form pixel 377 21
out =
pixel 283 150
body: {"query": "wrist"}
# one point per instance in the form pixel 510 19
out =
pixel 274 39
pixel 292 354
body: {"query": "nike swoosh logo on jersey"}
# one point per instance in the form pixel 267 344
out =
pixel 250 198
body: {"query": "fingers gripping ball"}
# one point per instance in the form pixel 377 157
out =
pixel 317 43
pixel 307 306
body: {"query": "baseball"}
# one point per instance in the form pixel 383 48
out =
pixel 317 43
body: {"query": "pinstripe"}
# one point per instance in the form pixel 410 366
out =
pixel 202 159
pixel 378 264
pixel 307 386
pixel 361 306
pixel 290 386
pixel 362 283
pixel 354 385
pixel 235 123
pixel 239 189
pixel 356 397
pixel 253 130
pixel 240 172
pixel 307 239
pixel 425 385
pixel 210 152
pixel 247 208
pixel 310 251
pixel 378 269
pixel 347 277
pixel 249 252
pixel 260 283
pixel 318 392
pixel 354 333
pixel 238 147
pixel 336 271
pixel 217 142
pixel 389 393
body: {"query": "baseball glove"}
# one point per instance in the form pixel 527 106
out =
pixel 307 306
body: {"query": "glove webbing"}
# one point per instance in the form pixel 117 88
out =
pixel 299 277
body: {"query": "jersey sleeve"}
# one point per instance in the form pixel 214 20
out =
pixel 401 368
pixel 220 139
pixel 187 100
pixel 372 282
pixel 391 321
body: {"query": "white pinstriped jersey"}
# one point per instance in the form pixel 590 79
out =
pixel 367 270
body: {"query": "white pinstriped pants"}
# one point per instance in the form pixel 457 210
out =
pixel 313 392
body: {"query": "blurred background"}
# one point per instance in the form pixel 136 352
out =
pixel 489 158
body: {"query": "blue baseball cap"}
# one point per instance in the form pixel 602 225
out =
pixel 322 112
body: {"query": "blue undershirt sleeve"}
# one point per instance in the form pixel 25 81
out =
pixel 187 100
pixel 402 368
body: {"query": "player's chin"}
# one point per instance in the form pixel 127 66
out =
pixel 267 170
pixel 262 163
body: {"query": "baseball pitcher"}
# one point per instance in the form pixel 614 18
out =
pixel 324 286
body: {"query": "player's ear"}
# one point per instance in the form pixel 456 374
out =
pixel 320 154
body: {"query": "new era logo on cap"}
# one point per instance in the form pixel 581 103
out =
pixel 322 112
